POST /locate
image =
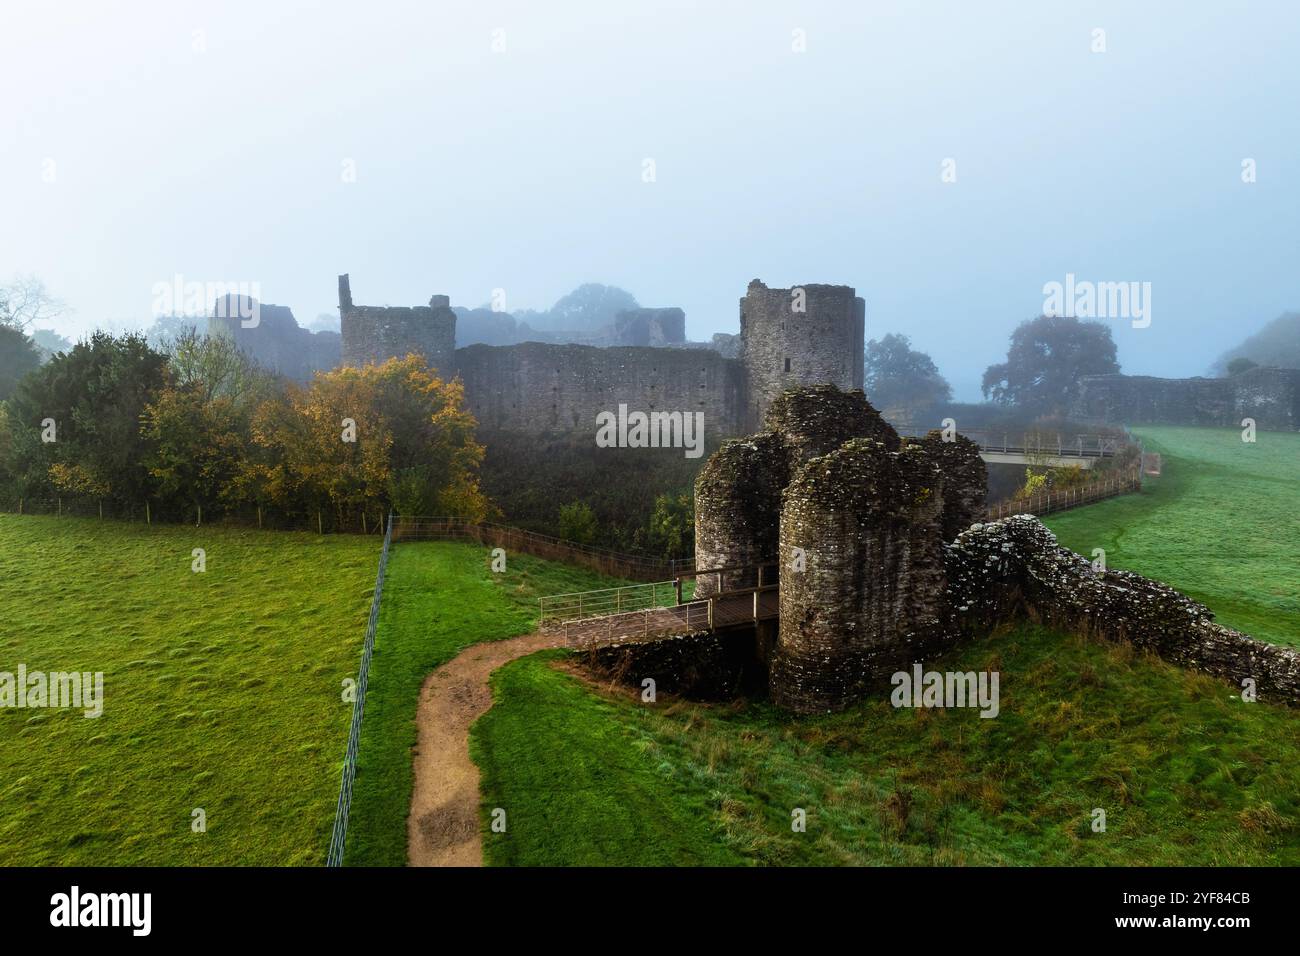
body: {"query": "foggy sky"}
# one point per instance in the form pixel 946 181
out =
pixel 209 141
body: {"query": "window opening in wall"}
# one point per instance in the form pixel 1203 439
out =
pixel 787 365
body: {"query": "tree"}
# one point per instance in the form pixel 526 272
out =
pixel 50 343
pixel 671 530
pixel 24 300
pixel 197 444
pixel 18 356
pixel 1047 357
pixel 95 395
pixel 588 307
pixel 363 437
pixel 1277 344
pixel 1241 364
pixel 211 364
pixel 898 377
pixel 577 522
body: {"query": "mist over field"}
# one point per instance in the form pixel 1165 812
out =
pixel 947 163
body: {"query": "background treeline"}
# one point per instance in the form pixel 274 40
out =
pixel 195 432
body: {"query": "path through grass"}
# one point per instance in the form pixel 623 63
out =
pixel 439 598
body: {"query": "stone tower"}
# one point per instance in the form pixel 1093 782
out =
pixel 805 335
pixel 378 333
pixel 856 520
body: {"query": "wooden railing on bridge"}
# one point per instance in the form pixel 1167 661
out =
pixel 642 612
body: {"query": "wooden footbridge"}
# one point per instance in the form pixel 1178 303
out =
pixel 648 612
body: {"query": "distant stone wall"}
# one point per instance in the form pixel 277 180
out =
pixel 550 388
pixel 277 342
pixel 378 333
pixel 1271 396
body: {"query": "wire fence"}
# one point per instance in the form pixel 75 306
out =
pixel 339 837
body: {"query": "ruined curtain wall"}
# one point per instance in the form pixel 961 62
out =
pixel 550 388
pixel 1271 396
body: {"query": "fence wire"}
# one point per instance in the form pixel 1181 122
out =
pixel 339 838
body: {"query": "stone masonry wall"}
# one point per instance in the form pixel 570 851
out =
pixel 1271 396
pixel 378 333
pixel 552 388
pixel 737 504
pixel 1007 568
pixel 965 479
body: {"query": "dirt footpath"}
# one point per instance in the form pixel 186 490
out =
pixel 442 828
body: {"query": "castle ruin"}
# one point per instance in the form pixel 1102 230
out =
pixel 802 335
pixel 882 563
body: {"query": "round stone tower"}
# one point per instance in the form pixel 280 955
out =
pixel 805 335
pixel 862 574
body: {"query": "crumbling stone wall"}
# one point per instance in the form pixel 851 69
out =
pixel 378 333
pixel 277 342
pixel 737 501
pixel 817 419
pixel 965 479
pixel 1012 567
pixel 554 388
pixel 781 348
pixel 1271 396
pixel 869 600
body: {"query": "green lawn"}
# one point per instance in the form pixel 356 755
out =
pixel 222 691
pixel 1185 773
pixel 1222 524
pixel 439 598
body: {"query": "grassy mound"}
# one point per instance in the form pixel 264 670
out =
pixel 1185 772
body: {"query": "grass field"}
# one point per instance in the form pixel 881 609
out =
pixel 222 691
pixel 1185 773
pixel 1222 524
pixel 439 598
